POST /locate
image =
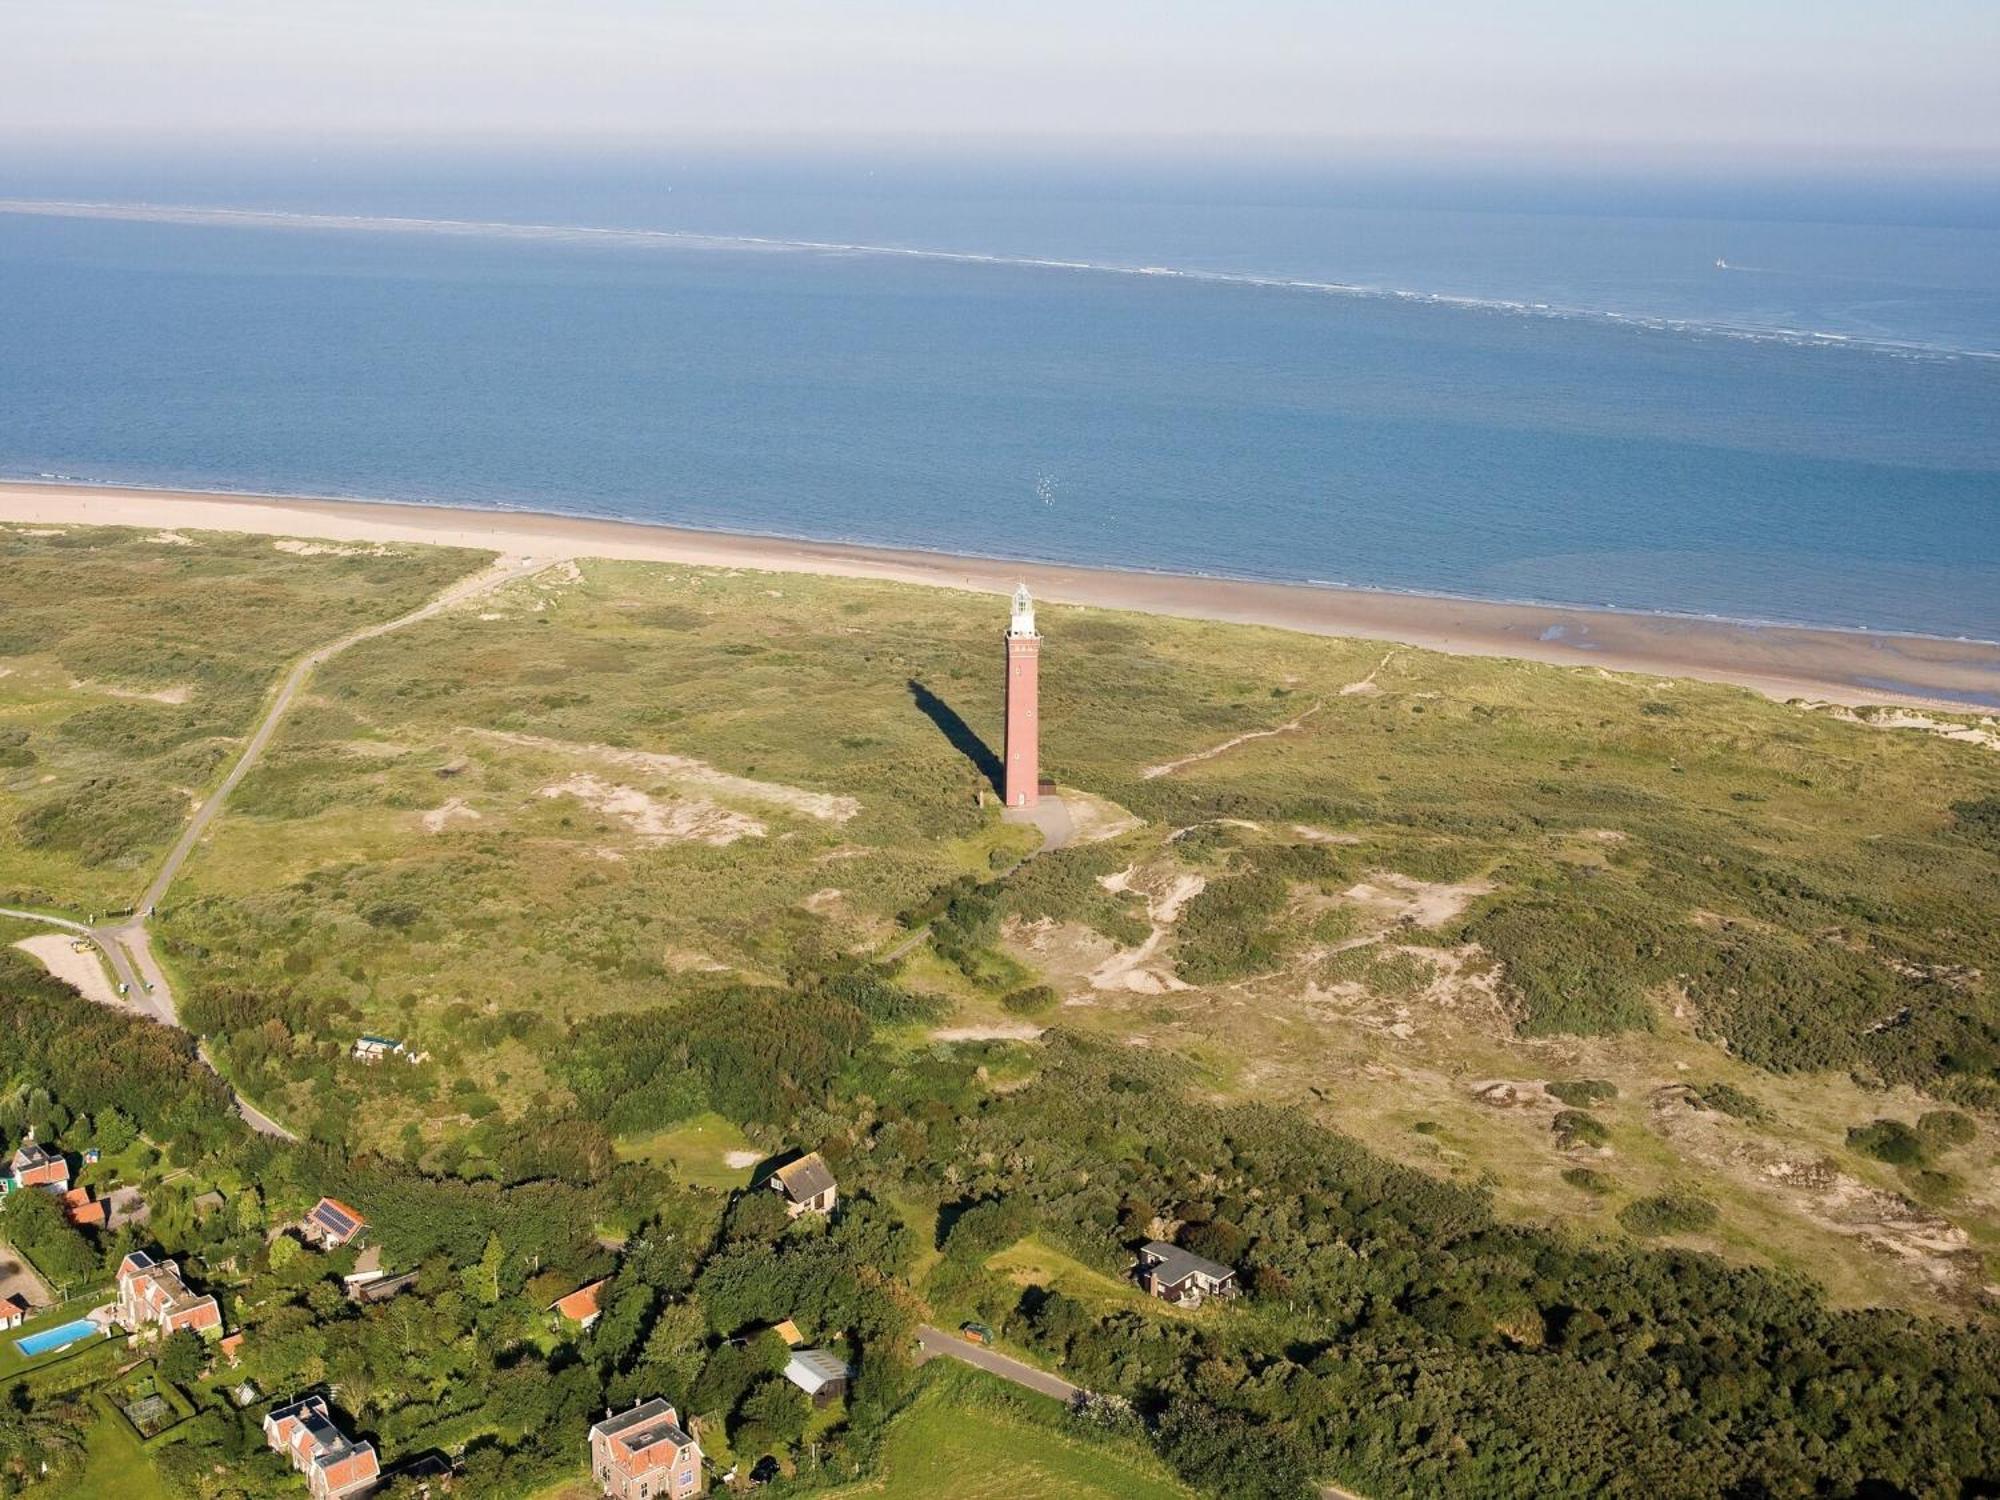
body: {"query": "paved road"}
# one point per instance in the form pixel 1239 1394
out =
pixel 932 1342
pixel 126 945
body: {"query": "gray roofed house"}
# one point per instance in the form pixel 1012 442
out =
pixel 1182 1277
pixel 806 1185
pixel 820 1375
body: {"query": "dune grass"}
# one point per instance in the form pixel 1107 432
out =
pixel 1475 870
pixel 130 661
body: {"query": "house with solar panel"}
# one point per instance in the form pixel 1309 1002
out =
pixel 336 1467
pixel 34 1165
pixel 806 1185
pixel 645 1454
pixel 151 1294
pixel 332 1225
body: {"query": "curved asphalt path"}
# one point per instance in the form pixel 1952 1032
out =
pixel 932 1342
pixel 125 944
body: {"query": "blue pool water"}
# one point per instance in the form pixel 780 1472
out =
pixel 1781 410
pixel 55 1338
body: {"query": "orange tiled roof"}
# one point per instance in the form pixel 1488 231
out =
pixel 581 1303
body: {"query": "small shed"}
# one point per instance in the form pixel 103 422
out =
pixel 820 1375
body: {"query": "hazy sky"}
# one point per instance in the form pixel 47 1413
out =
pixel 1701 77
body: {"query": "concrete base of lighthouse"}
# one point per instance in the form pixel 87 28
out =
pixel 1049 813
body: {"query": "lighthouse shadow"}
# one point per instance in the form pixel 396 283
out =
pixel 959 733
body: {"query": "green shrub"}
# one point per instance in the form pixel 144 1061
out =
pixel 1727 1099
pixel 1574 1127
pixel 1677 1212
pixel 1941 1129
pixel 1888 1140
pixel 1032 1000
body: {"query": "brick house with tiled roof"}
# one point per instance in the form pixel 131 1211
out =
pixel 336 1467
pixel 645 1454
pixel 34 1165
pixel 152 1294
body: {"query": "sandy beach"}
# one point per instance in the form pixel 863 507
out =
pixel 1844 667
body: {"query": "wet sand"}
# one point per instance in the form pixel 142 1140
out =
pixel 1834 666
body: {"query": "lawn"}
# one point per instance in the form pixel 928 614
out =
pixel 1033 1262
pixel 697 1151
pixel 1002 1446
pixel 115 1464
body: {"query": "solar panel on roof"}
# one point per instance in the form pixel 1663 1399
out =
pixel 334 1219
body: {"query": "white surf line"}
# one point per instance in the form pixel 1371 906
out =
pixel 1214 750
pixel 156 213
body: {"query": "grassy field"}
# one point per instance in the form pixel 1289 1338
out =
pixel 1001 1449
pixel 1429 888
pixel 697 1151
pixel 129 663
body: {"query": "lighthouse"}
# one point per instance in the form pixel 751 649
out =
pixel 1023 778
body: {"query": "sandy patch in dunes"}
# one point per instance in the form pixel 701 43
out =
pixel 170 539
pixel 1321 836
pixel 657 820
pixel 326 549
pixel 180 692
pixel 996 1031
pixel 438 818
pixel 1398 898
pixel 688 771
pixel 1983 732
pixel 1140 970
pixel 54 952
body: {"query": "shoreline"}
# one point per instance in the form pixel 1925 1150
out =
pixel 1850 667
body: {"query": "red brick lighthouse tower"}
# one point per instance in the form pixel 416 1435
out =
pixel 1024 722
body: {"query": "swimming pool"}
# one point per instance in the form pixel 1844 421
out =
pixel 55 1338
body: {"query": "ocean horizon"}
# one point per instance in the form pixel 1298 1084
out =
pixel 1797 428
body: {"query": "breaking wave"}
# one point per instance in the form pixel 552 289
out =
pixel 694 240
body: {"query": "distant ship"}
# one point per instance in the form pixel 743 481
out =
pixel 1721 264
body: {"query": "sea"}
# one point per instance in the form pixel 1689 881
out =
pixel 1767 399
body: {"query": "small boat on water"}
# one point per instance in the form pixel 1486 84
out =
pixel 1721 264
